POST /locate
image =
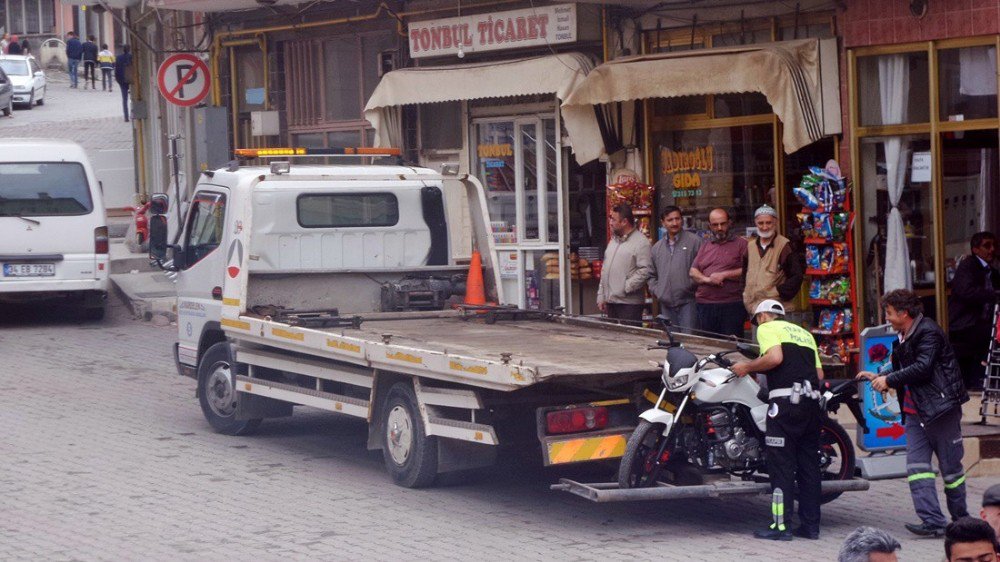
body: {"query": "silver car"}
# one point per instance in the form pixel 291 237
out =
pixel 27 77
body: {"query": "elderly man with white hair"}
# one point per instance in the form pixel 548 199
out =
pixel 774 270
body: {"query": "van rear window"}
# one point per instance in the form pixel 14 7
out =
pixel 328 210
pixel 35 189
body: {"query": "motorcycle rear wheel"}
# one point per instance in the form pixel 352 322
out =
pixel 637 469
pixel 837 457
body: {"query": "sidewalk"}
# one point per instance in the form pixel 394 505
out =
pixel 148 292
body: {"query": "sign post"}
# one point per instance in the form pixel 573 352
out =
pixel 882 412
pixel 183 79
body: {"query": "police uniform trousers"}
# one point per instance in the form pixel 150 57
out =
pixel 792 441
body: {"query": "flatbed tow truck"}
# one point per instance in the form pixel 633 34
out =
pixel 333 287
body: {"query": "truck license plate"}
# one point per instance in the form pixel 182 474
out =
pixel 29 269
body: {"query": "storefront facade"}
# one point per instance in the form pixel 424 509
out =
pixel 922 91
pixel 501 103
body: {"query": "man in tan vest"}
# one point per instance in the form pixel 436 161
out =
pixel 773 270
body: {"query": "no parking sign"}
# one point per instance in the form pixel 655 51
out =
pixel 183 79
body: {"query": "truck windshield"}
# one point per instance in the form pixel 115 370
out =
pixel 14 67
pixel 35 189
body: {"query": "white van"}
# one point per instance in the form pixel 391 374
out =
pixel 53 230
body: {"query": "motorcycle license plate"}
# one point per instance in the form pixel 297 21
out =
pixel 29 269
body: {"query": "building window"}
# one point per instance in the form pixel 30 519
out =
pixel 922 198
pixel 893 89
pixel 967 83
pixel 30 16
pixel 328 82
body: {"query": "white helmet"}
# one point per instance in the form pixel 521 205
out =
pixel 770 305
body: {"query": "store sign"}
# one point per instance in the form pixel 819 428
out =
pixel 920 170
pixel 492 31
pixel 686 166
pixel 495 150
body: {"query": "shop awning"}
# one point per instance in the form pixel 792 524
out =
pixel 799 78
pixel 552 74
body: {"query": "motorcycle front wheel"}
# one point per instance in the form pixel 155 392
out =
pixel 837 458
pixel 638 468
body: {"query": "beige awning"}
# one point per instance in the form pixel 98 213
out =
pixel 799 78
pixel 552 74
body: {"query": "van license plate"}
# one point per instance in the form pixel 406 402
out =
pixel 29 269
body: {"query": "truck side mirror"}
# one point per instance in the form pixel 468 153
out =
pixel 159 203
pixel 158 237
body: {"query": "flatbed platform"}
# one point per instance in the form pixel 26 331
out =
pixel 557 347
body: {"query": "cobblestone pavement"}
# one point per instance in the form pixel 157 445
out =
pixel 104 454
pixel 92 118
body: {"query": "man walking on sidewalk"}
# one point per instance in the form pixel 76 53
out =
pixel 926 374
pixel 123 75
pixel 74 52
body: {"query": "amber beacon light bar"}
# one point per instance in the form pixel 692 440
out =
pixel 299 151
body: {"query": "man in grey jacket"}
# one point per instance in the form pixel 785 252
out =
pixel 672 258
pixel 627 267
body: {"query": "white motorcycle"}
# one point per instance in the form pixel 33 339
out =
pixel 718 426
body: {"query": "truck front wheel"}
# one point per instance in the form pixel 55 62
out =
pixel 410 455
pixel 217 391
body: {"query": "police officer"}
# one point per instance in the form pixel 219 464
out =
pixel 791 363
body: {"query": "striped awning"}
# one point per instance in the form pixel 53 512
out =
pixel 790 74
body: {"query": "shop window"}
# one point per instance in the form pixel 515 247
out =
pixel 441 126
pixel 684 105
pixel 893 89
pixel 896 176
pixel 968 83
pixel 495 158
pixel 343 75
pixel 551 187
pixel 529 158
pixel 970 190
pixel 740 105
pixel 729 167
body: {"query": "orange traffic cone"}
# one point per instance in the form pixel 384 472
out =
pixel 475 291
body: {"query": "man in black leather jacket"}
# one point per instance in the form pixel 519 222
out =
pixel 926 375
pixel 970 307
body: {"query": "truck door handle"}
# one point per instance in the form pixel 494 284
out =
pixel 217 293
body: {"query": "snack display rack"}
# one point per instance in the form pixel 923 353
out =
pixel 826 220
pixel 640 197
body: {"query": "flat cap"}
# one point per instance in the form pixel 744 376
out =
pixel 992 495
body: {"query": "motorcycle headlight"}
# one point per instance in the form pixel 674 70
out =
pixel 677 382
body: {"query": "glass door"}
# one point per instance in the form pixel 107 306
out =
pixel 516 159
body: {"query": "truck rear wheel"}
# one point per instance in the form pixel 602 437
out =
pixel 410 455
pixel 217 391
